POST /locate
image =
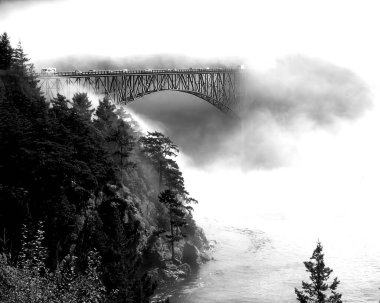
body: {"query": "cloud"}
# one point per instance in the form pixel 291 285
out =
pixel 300 86
pixel 14 5
pixel 295 96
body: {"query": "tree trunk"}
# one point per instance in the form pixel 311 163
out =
pixel 172 233
pixel 159 176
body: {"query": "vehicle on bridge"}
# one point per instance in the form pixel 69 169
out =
pixel 48 70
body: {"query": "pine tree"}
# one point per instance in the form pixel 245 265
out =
pixel 173 177
pixel 122 114
pixel 19 59
pixel 177 216
pixel 318 289
pixel 122 136
pixel 20 64
pixel 105 113
pixel 5 52
pixel 158 148
pixel 83 105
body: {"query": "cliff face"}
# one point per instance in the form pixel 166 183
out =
pixel 128 223
pixel 140 190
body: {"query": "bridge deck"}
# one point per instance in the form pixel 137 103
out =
pixel 137 72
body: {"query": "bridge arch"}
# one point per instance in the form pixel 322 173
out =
pixel 204 97
pixel 219 87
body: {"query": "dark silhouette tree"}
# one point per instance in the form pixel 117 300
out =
pixel 158 148
pixel 122 136
pixel 21 65
pixel 177 216
pixel 117 131
pixel 121 112
pixel 6 52
pixel 173 178
pixel 317 291
pixel 19 59
pixel 83 105
pixel 105 113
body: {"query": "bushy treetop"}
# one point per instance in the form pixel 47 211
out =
pixel 318 290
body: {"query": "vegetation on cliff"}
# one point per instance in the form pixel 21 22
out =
pixel 93 179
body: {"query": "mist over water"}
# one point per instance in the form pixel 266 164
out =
pixel 305 169
pixel 267 223
pixel 254 263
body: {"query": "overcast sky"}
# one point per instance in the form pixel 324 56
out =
pixel 342 32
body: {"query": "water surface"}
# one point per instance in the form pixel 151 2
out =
pixel 262 260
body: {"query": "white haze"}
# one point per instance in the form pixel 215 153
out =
pixel 312 160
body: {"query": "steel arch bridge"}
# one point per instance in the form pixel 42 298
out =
pixel 220 87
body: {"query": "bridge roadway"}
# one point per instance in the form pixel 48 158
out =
pixel 218 86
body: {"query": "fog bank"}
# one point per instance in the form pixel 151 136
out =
pixel 299 94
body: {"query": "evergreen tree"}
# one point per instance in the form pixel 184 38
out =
pixel 122 114
pixel 118 133
pixel 158 148
pixel 105 113
pixel 318 289
pixel 19 59
pixel 20 64
pixel 122 136
pixel 177 216
pixel 83 105
pixel 173 177
pixel 5 52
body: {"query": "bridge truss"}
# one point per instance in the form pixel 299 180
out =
pixel 220 87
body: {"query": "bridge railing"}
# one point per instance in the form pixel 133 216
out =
pixel 146 71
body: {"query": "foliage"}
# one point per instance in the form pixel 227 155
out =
pixel 156 145
pixel 124 115
pixel 19 60
pixel 5 246
pixel 105 113
pixel 83 105
pixel 33 253
pixel 318 289
pixel 159 149
pixel 120 250
pixel 33 282
pixel 67 164
pixel 118 133
pixel 123 138
pixel 20 64
pixel 177 216
pixel 5 52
